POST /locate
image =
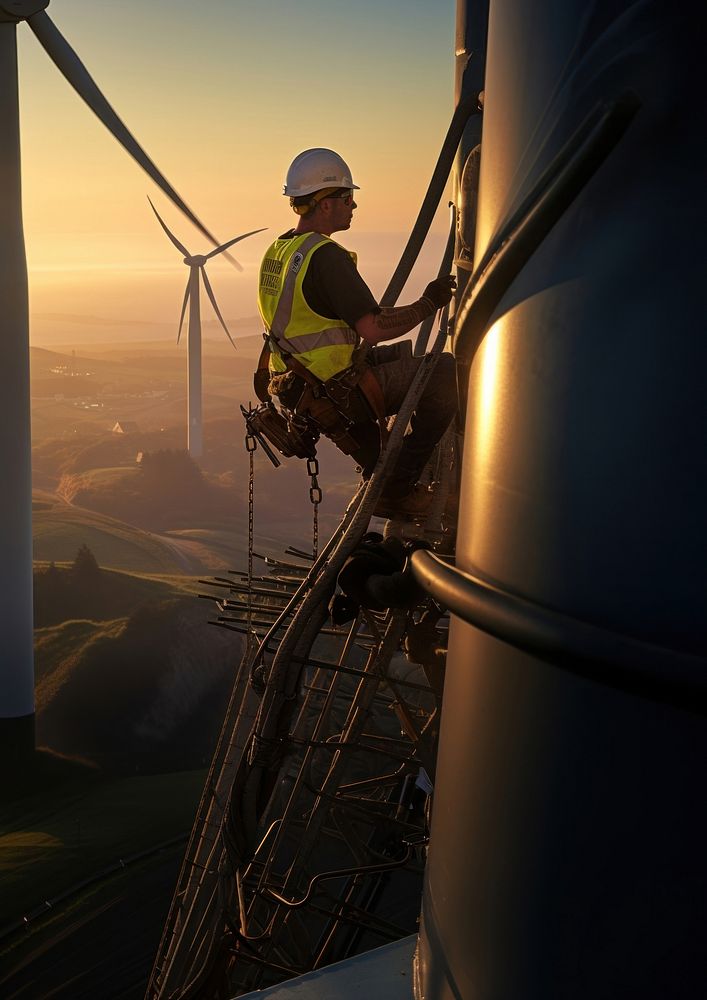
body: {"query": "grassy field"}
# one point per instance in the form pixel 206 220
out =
pixel 100 479
pixel 57 648
pixel 59 529
pixel 53 840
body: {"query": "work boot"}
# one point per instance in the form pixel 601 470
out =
pixel 410 506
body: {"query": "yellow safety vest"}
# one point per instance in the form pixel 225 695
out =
pixel 321 344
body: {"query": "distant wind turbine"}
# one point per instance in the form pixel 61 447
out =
pixel 196 264
pixel 16 636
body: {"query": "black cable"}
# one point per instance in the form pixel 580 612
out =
pixel 467 106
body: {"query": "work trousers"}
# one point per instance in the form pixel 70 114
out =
pixel 395 367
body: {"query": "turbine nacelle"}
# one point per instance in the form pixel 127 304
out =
pixel 198 262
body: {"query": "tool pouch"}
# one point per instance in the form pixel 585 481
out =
pixel 330 421
pixel 288 388
pixel 292 437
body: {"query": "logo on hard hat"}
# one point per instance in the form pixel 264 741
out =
pixel 297 259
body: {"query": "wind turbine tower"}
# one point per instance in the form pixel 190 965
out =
pixel 197 269
pixel 16 664
pixel 16 633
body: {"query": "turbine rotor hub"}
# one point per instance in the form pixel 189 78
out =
pixel 196 261
pixel 20 10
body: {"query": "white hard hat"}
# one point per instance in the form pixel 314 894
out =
pixel 315 169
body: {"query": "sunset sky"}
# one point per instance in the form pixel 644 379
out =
pixel 221 94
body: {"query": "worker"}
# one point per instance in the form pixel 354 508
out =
pixel 324 327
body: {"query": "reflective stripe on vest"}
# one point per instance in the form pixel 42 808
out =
pixel 319 343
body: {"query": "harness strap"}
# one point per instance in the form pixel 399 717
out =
pixel 261 376
pixel 371 388
pixel 283 312
pixel 299 369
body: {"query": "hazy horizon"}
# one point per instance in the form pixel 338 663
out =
pixel 144 302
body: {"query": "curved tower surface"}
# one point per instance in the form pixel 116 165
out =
pixel 568 830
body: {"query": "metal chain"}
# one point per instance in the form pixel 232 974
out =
pixel 315 496
pixel 250 444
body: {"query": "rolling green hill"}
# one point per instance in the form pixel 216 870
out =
pixel 145 691
pixel 60 528
pixel 72 614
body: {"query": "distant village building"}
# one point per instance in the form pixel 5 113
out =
pixel 125 427
pixel 69 371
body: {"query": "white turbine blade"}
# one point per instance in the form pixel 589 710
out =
pixel 69 64
pixel 237 239
pixel 184 306
pixel 171 235
pixel 212 299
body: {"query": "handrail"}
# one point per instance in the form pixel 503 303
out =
pixel 619 661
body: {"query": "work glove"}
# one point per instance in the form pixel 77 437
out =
pixel 440 291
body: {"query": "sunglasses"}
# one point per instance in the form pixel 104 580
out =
pixel 346 196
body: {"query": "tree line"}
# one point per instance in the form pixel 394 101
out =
pixel 76 591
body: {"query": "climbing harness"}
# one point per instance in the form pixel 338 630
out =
pixel 341 408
